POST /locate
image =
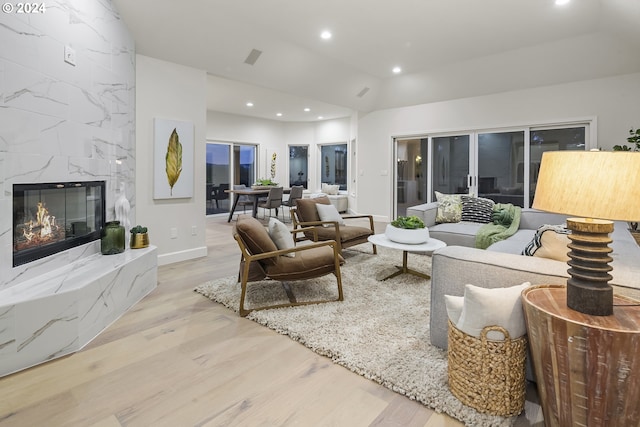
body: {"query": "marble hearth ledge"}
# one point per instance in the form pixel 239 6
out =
pixel 60 312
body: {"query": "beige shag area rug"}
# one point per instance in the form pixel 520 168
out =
pixel 380 330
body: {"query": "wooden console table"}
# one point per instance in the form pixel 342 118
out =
pixel 587 367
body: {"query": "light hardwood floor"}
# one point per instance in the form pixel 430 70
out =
pixel 178 359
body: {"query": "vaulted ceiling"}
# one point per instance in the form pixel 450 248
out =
pixel 447 49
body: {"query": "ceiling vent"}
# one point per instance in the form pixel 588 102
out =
pixel 363 92
pixel 253 56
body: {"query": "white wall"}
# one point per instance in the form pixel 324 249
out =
pixel 275 136
pixel 60 122
pixel 170 91
pixel 612 101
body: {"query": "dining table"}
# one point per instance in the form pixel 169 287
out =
pixel 254 194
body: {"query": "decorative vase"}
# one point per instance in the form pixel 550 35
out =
pixel 139 240
pixel 112 238
pixel 413 236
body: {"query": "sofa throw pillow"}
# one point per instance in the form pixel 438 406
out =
pixel 490 307
pixel 550 241
pixel 477 209
pixel 329 213
pixel 281 236
pixel 454 307
pixel 449 207
pixel 330 189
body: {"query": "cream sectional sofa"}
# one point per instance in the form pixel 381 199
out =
pixel 502 265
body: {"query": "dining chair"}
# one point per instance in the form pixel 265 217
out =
pixel 220 194
pixel 294 194
pixel 243 199
pixel 274 200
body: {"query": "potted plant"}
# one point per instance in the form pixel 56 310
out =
pixel 264 183
pixel 633 139
pixel 139 237
pixel 407 230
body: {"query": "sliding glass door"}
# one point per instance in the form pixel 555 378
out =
pixel 508 162
pixel 428 164
pixel 499 165
pixel 450 171
pixel 500 162
pixel 218 172
pixel 552 139
pixel 244 164
pixel 228 164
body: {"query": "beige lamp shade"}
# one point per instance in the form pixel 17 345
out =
pixel 590 184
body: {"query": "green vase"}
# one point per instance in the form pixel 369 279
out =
pixel 112 238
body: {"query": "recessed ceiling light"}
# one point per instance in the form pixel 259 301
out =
pixel 562 2
pixel 249 104
pixel 279 114
pixel 396 70
pixel 325 35
pixel 320 117
pixel 306 110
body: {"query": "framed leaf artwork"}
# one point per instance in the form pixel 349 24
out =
pixel 173 168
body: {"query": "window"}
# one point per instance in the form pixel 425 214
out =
pixel 299 165
pixel 333 165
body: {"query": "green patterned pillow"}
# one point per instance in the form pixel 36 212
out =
pixel 449 207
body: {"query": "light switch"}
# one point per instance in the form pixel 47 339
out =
pixel 69 55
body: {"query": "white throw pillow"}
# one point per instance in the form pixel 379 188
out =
pixel 329 213
pixel 281 236
pixel 454 306
pixel 488 307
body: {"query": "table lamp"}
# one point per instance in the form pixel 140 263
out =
pixel 598 187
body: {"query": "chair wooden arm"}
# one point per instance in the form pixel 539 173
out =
pixel 361 216
pixel 302 230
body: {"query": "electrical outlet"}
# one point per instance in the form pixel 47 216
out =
pixel 174 233
pixel 194 230
pixel 69 55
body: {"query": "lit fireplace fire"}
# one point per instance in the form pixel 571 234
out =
pixel 44 224
pixel 40 230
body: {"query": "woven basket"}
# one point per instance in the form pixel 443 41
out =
pixel 485 374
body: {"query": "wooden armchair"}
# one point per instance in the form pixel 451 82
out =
pixel 261 260
pixel 305 215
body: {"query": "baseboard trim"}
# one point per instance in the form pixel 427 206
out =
pixel 179 256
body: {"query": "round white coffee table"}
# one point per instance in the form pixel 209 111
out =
pixel 428 247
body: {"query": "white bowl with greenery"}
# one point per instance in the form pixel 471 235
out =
pixel 408 230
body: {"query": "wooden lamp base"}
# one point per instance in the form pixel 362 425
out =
pixel 588 290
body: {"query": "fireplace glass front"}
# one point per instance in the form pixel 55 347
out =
pixel 53 217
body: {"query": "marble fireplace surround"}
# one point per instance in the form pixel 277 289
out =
pixel 59 312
